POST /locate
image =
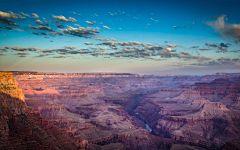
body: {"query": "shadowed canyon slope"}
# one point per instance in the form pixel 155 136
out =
pixel 131 111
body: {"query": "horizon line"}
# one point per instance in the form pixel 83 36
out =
pixel 99 72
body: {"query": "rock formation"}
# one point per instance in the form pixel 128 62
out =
pixel 203 114
pixel 21 128
pixel 130 111
pixel 10 86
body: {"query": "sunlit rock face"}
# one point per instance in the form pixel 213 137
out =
pixel 10 86
pixel 111 110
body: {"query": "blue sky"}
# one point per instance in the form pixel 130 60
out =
pixel 136 36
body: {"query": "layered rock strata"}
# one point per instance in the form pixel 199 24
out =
pixel 107 109
pixel 21 128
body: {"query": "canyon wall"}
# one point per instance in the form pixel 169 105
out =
pixel 112 110
pixel 21 128
pixel 206 114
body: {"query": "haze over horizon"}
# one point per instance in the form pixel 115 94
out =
pixel 143 37
pixel 106 72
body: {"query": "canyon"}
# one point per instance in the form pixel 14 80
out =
pixel 21 128
pixel 121 110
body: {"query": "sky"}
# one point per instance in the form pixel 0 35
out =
pixel 193 37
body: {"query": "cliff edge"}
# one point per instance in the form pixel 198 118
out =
pixel 21 128
pixel 9 85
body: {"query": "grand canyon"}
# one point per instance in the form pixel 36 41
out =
pixel 119 75
pixel 119 111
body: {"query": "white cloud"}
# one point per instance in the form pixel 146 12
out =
pixel 62 18
pixel 24 48
pixel 110 43
pixel 187 56
pixel 35 15
pixel 19 30
pixel 102 39
pixel 22 53
pixel 41 28
pixel 39 22
pixel 171 45
pixel 113 39
pixel 27 15
pixel 81 31
pixel 88 22
pixel 8 15
pixel 226 29
pixel 106 27
pixel 88 43
pixel 102 48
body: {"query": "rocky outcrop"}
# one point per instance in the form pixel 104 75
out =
pixel 21 128
pixel 10 86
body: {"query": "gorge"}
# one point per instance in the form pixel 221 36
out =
pixel 120 110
